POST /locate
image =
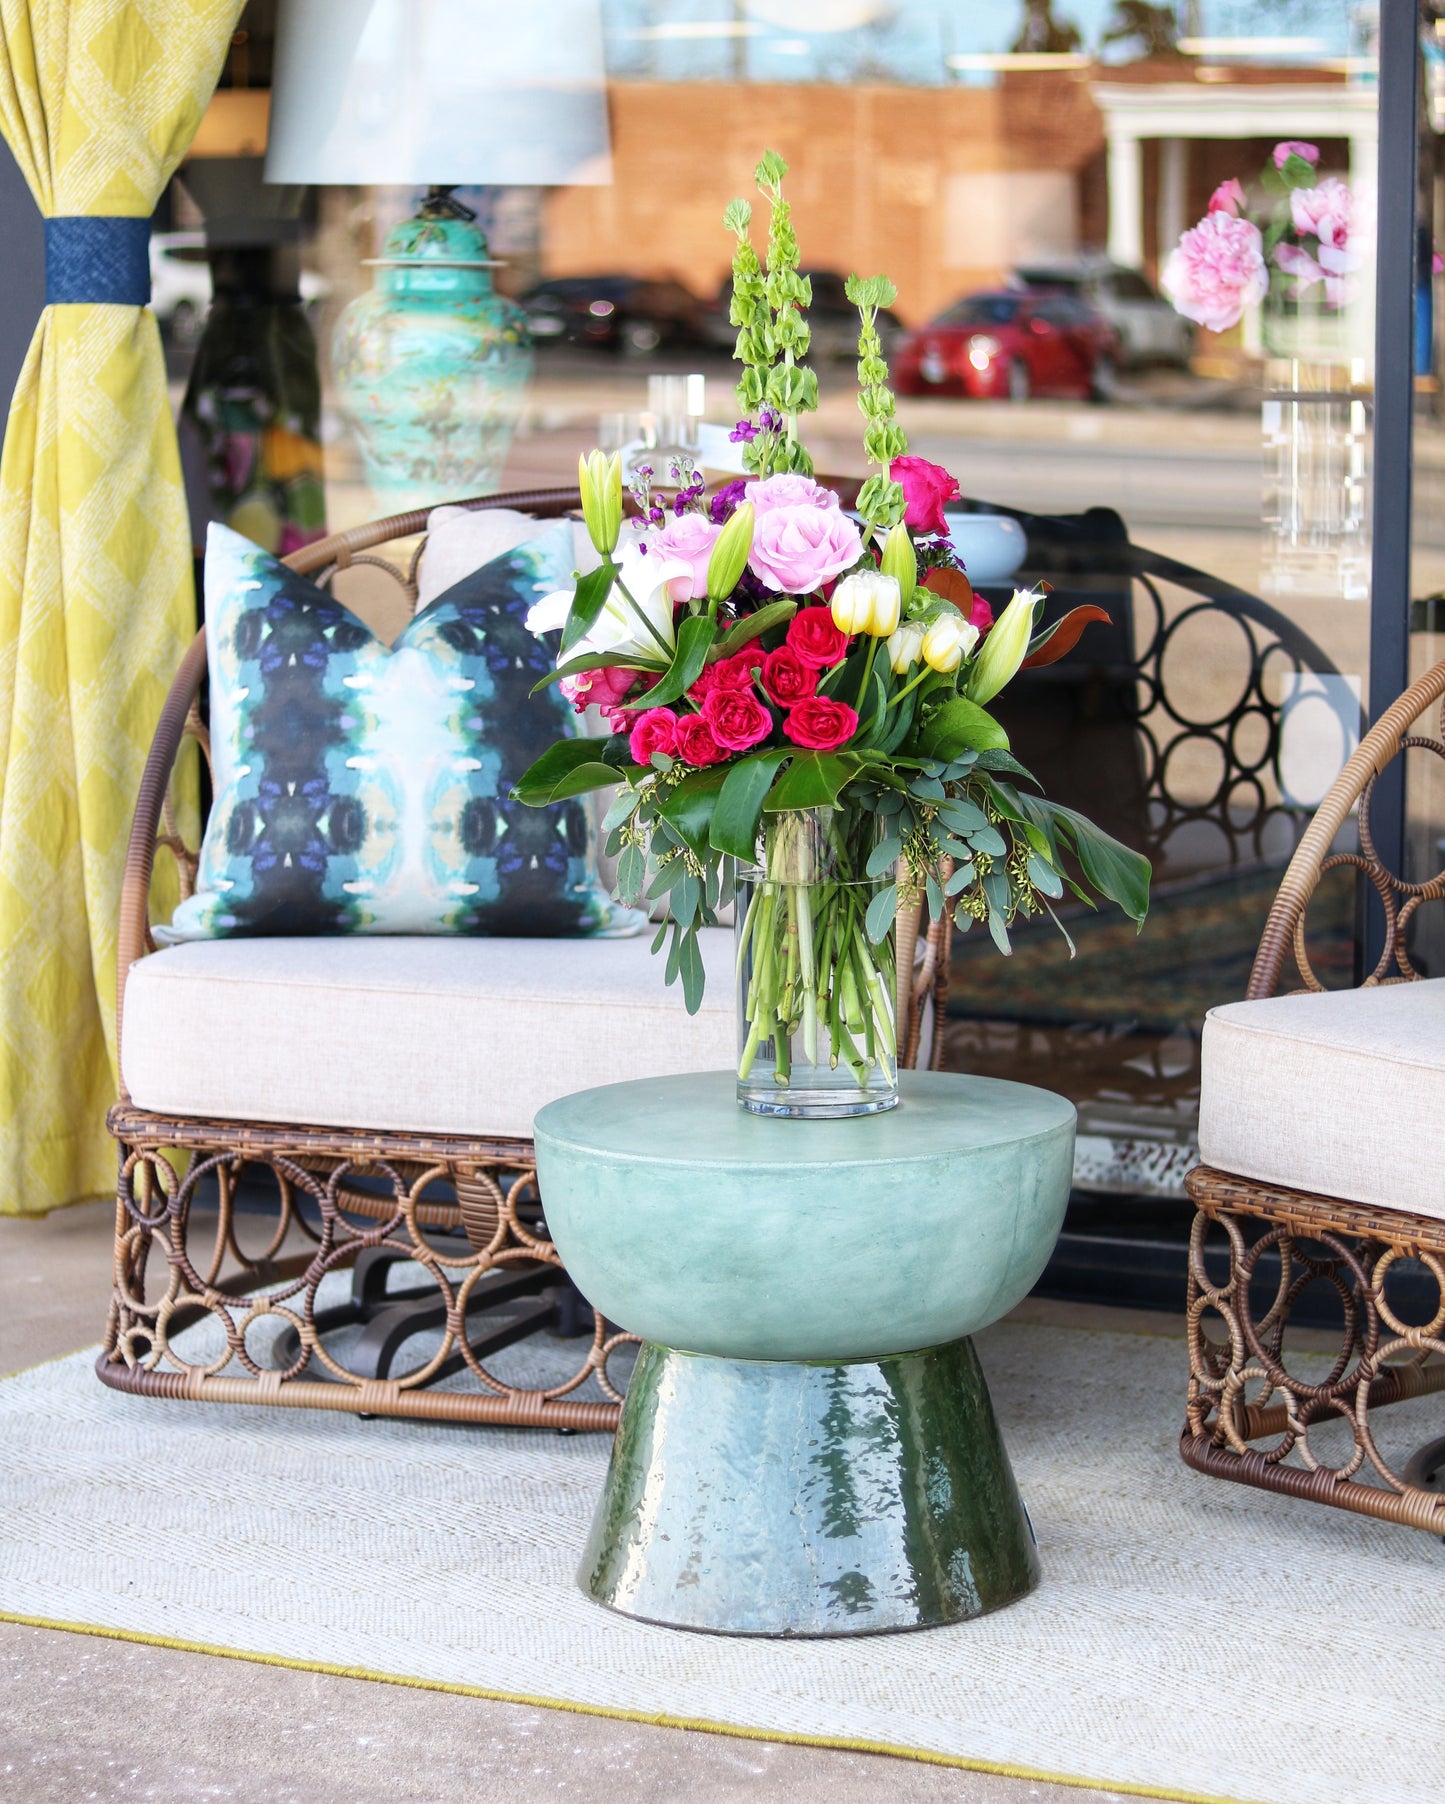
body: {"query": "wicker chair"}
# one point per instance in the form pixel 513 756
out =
pixel 465 1211
pixel 1324 1136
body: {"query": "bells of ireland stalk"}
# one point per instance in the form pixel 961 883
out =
pixel 600 479
pixel 900 561
pixel 1004 649
pixel 730 553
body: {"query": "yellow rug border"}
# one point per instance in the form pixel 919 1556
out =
pixel 657 1720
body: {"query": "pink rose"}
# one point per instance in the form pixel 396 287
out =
pixel 654 731
pixel 980 614
pixel 926 487
pixel 695 742
pixel 1216 271
pixel 1228 197
pixel 787 679
pixel 820 724
pixel 606 688
pixel 788 491
pixel 736 718
pixel 691 538
pixel 795 549
pixel 817 638
pixel 1292 147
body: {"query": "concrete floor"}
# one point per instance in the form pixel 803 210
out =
pixel 85 1718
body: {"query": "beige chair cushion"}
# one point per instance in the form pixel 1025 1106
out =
pixel 1341 1094
pixel 460 541
pixel 436 1035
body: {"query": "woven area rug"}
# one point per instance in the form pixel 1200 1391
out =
pixel 1190 1638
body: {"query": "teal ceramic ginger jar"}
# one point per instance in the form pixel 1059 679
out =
pixel 432 363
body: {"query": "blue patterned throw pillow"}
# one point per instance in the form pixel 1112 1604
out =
pixel 363 787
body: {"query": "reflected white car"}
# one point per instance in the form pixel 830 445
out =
pixel 1149 329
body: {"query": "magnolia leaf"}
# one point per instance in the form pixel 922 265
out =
pixel 959 726
pixel 587 602
pixel 537 782
pixel 776 613
pixel 694 638
pixel 1062 636
pixel 812 780
pixel 739 806
pixel 952 585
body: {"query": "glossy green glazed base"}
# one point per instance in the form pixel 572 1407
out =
pixel 755 1497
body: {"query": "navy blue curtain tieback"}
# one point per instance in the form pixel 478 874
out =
pixel 103 260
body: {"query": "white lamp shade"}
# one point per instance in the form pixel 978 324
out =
pixel 411 92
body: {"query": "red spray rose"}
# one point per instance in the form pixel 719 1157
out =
pixel 737 718
pixel 926 487
pixel 727 673
pixel 695 743
pixel 654 731
pixel 787 680
pixel 820 724
pixel 816 638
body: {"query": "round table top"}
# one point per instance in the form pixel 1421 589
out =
pixel 696 1120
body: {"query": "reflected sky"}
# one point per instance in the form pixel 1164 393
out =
pixel 913 40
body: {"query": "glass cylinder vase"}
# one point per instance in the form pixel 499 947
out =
pixel 817 1035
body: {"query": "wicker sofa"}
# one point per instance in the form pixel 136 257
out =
pixel 369 1101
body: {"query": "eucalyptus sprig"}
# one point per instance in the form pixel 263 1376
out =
pixel 880 500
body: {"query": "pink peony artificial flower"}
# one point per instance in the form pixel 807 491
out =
pixel 695 742
pixel 788 490
pixel 1228 197
pixel 1292 147
pixel 690 538
pixel 796 549
pixel 605 688
pixel 820 724
pixel 1216 271
pixel 1327 210
pixel 926 487
pixel 654 731
pixel 736 718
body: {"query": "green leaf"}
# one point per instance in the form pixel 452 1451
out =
pixel 961 726
pixel 962 816
pixel 608 660
pixel 693 975
pixel 884 856
pixel 776 613
pixel 591 593
pixel 1113 869
pixel 686 894
pixel 631 874
pixel 812 780
pixel 1005 761
pixel 535 785
pixel 881 912
pixel 962 876
pixel 689 808
pixel 586 776
pixel 739 806
pixel 990 840
pixel 1044 877
pixel 998 927
pixel 694 638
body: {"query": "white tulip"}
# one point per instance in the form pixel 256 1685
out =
pixel 867 602
pixel 905 646
pixel 948 641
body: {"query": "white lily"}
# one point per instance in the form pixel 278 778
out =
pixel 636 618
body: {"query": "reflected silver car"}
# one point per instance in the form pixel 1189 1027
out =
pixel 1149 329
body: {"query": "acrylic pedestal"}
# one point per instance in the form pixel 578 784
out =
pixel 808 1445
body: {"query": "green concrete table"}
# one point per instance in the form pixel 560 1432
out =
pixel 808 1445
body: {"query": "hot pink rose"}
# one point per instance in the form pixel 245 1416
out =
pixel 691 538
pixel 795 549
pixel 787 679
pixel 1217 271
pixel 817 638
pixel 736 718
pixel 695 742
pixel 1292 147
pixel 735 672
pixel 980 614
pixel 926 487
pixel 820 724
pixel 654 731
pixel 1228 197
pixel 605 688
pixel 788 491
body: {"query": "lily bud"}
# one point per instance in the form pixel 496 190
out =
pixel 905 646
pixel 947 641
pixel 600 479
pixel 730 553
pixel 1005 647
pixel 900 560
pixel 867 602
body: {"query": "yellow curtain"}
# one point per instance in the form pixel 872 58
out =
pixel 99 100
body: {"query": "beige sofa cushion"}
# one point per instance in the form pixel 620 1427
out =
pixel 439 1035
pixel 1342 1094
pixel 460 540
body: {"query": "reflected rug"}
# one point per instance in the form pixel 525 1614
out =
pixel 1189 1639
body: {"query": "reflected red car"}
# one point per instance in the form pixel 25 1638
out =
pixel 1011 345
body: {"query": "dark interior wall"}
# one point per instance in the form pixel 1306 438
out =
pixel 22 272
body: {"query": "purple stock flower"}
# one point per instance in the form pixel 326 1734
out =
pixel 768 421
pixel 743 433
pixel 727 500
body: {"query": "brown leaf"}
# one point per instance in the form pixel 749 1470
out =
pixel 1063 636
pixel 953 586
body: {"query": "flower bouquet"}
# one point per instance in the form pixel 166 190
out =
pixel 1303 249
pixel 804 690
